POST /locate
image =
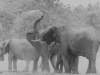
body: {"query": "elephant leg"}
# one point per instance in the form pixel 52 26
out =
pixel 9 65
pixel 44 55
pixel 61 67
pixel 73 62
pixel 14 63
pixel 59 64
pixel 45 66
pixel 10 58
pixel 65 63
pixel 27 65
pixel 52 63
pixel 35 64
pixel 91 66
pixel 92 58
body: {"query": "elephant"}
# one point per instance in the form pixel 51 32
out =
pixel 19 49
pixel 31 37
pixel 75 42
pixel 34 38
pixel 42 48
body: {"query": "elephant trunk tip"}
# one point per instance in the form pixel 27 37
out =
pixel 36 22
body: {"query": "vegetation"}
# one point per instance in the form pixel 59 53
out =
pixel 12 23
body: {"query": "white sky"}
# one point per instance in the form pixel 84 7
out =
pixel 78 2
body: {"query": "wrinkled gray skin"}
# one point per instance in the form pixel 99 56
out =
pixel 33 38
pixel 83 41
pixel 19 49
pixel 42 48
pixel 55 57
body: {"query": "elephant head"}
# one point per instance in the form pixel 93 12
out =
pixel 51 35
pixel 4 49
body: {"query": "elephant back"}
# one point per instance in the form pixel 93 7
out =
pixel 88 31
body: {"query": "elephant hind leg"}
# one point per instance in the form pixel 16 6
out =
pixel 92 58
pixel 91 66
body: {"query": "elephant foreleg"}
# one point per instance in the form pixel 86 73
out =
pixel 44 55
pixel 59 64
pixel 61 67
pixel 14 63
pixel 45 66
pixel 9 65
pixel 10 58
pixel 27 66
pixel 73 62
pixel 35 64
pixel 53 62
pixel 65 63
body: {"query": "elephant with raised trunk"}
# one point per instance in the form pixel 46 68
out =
pixel 34 37
pixel 75 42
pixel 19 49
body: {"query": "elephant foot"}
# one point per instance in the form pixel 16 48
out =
pixel 25 70
pixel 57 71
pixel 14 70
pixel 10 70
pixel 34 71
pixel 91 72
pixel 75 72
pixel 68 72
pixel 45 71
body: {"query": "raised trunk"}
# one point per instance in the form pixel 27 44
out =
pixel 35 24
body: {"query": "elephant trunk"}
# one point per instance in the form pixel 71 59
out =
pixel 35 24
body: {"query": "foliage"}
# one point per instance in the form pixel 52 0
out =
pixel 12 23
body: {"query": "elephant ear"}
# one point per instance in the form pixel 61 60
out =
pixel 4 46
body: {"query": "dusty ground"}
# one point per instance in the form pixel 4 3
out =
pixel 83 64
